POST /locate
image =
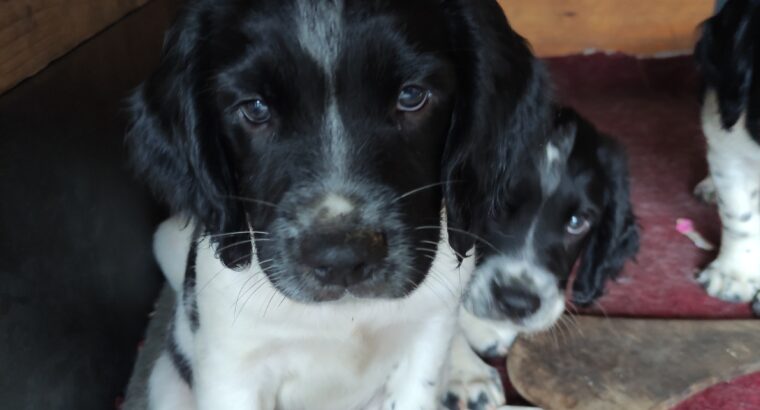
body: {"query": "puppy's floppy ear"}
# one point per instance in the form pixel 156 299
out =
pixel 176 143
pixel 727 53
pixel 616 236
pixel 502 107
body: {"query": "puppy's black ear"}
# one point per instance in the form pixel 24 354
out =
pixel 727 53
pixel 753 105
pixel 176 143
pixel 616 236
pixel 502 107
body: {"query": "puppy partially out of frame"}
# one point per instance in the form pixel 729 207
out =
pixel 568 199
pixel 728 55
pixel 302 144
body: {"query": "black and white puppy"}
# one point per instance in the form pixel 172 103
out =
pixel 568 200
pixel 302 142
pixel 728 55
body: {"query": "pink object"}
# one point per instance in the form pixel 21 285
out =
pixel 684 225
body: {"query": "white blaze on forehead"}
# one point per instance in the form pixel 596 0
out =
pixel 552 153
pixel 336 205
pixel 319 30
pixel 320 34
pixel 551 170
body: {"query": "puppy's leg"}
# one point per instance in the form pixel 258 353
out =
pixel 223 384
pixel 735 169
pixel 487 338
pixel 472 384
pixel 166 389
pixel 415 384
pixel 226 381
pixel 705 191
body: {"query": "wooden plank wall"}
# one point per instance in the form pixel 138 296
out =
pixel 640 27
pixel 35 32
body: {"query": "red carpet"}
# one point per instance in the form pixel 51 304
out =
pixel 652 106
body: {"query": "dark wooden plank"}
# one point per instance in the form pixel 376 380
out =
pixel 35 32
pixel 631 364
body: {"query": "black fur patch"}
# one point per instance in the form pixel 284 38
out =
pixel 181 362
pixel 189 299
pixel 728 55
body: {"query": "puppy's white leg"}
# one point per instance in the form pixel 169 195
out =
pixel 472 384
pixel 488 338
pixel 222 382
pixel 734 160
pixel 705 191
pixel 415 384
pixel 166 389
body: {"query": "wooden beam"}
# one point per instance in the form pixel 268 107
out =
pixel 35 32
pixel 632 364
pixel 639 27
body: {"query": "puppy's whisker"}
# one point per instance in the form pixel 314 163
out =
pixel 463 232
pixel 234 244
pixel 436 245
pixel 238 233
pixel 253 200
pixel 420 189
pixel 274 292
pixel 240 293
pixel 259 285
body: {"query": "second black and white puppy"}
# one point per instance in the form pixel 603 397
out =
pixel 728 55
pixel 568 201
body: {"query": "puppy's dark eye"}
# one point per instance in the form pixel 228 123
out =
pixel 412 98
pixel 256 112
pixel 577 225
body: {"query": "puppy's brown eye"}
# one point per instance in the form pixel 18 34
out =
pixel 412 98
pixel 577 225
pixel 256 112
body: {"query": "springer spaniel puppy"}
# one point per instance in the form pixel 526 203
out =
pixel 728 55
pixel 569 201
pixel 302 143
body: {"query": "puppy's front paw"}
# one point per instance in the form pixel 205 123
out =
pixel 730 282
pixel 474 389
pixel 706 192
pixel 417 395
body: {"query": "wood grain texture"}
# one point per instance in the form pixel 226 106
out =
pixel 35 32
pixel 631 364
pixel 640 27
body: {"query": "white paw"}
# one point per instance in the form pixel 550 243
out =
pixel 418 395
pixel 730 282
pixel 474 389
pixel 705 191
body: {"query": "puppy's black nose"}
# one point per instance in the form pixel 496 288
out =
pixel 343 258
pixel 515 301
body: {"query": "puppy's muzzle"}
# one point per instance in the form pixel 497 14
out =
pixel 343 256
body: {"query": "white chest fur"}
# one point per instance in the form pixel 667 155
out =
pixel 257 349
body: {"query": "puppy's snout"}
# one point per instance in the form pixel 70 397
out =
pixel 343 258
pixel 516 301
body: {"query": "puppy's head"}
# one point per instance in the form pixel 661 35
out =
pixel 728 56
pixel 318 125
pixel 569 200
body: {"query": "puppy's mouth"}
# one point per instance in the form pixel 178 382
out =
pixel 510 290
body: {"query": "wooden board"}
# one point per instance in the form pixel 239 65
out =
pixel 640 27
pixel 631 364
pixel 35 32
